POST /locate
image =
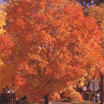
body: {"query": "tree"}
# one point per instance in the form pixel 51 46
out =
pixel 6 46
pixel 97 13
pixel 56 48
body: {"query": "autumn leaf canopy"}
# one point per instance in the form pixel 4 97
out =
pixel 55 48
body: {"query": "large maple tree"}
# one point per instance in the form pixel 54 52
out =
pixel 55 48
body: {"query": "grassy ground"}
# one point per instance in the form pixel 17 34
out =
pixel 77 102
pixel 86 102
pixel 74 102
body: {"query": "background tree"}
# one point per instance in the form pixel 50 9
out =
pixel 87 3
pixel 55 48
pixel 98 13
pixel 6 46
pixel 2 18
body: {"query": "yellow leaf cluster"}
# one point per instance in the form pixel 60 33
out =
pixel 2 19
pixel 71 92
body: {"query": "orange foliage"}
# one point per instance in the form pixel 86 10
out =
pixel 54 45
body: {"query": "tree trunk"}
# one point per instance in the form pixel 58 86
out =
pixel 102 88
pixel 46 99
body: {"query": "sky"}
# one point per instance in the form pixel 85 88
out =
pixel 0 1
